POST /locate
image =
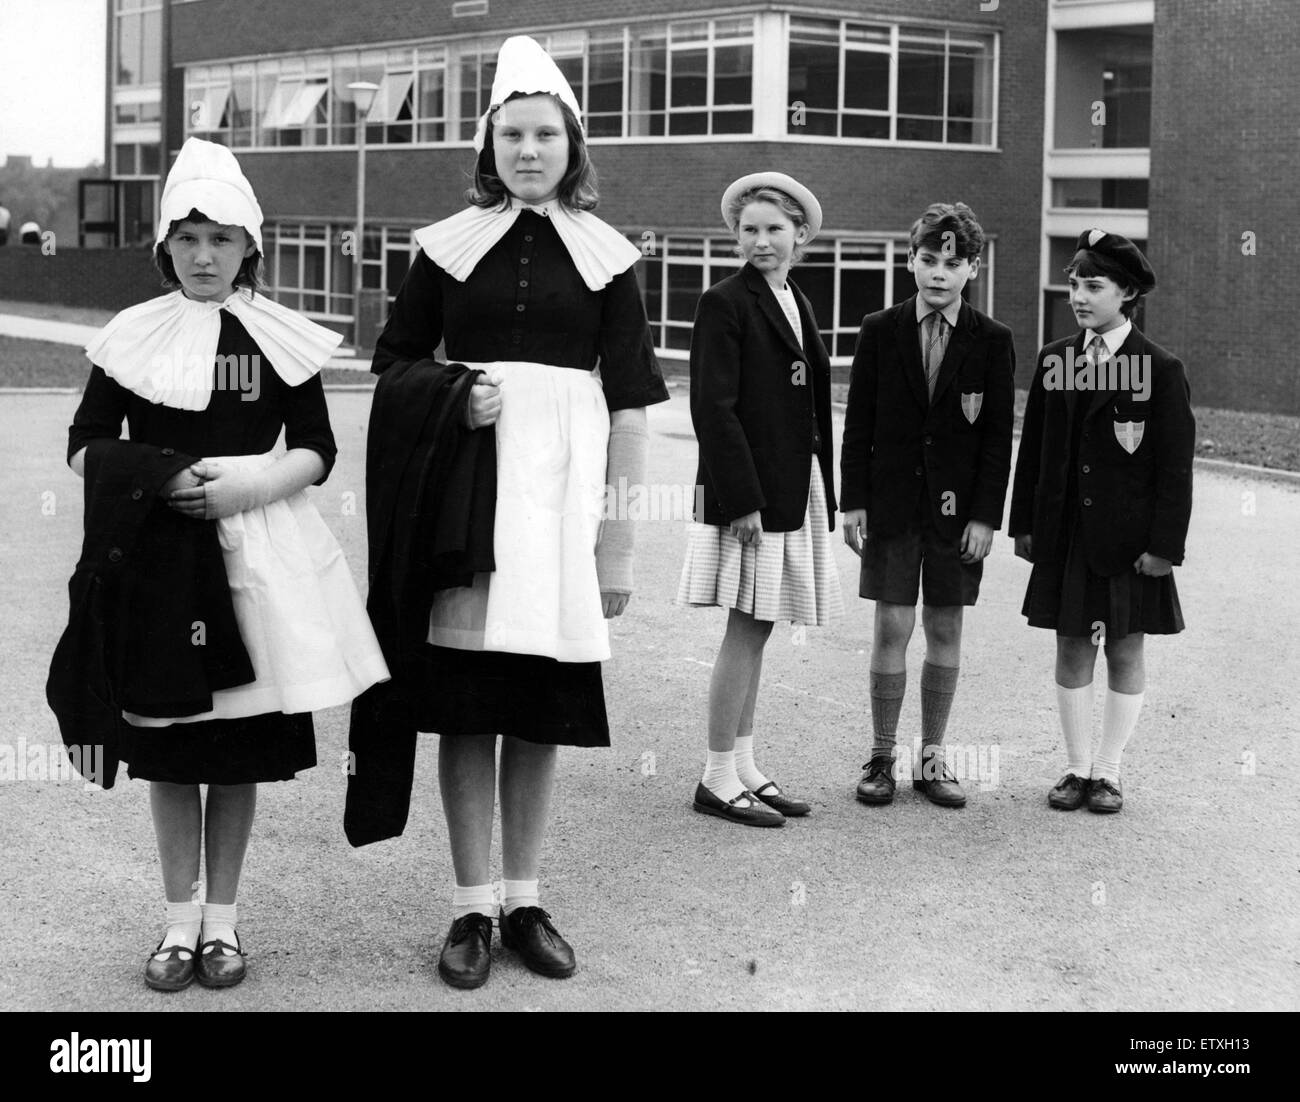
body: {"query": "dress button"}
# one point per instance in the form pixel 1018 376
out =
pixel 516 339
pixel 136 495
pixel 523 283
pixel 169 451
pixel 1087 501
pixel 528 237
pixel 114 554
pixel 1086 469
pixel 919 472
pixel 929 439
pixel 520 308
pixel 523 260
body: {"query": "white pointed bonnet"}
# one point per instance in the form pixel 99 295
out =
pixel 207 178
pixel 523 66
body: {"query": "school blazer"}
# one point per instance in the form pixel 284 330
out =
pixel 756 399
pixel 1134 463
pixel 902 452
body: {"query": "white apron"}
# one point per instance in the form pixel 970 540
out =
pixel 544 598
pixel 300 616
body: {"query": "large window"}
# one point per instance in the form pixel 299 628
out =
pixel 1103 88
pixel 306 270
pixel 890 83
pixel 137 42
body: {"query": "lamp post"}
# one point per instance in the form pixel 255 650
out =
pixel 363 97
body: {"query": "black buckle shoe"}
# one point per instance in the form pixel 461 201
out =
pixel 217 968
pixel 877 784
pixel 169 970
pixel 530 933
pixel 466 954
pixel 772 795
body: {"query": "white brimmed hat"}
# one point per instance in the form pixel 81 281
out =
pixel 781 182
pixel 207 178
pixel 523 66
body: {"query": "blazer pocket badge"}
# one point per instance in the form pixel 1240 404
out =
pixel 970 405
pixel 1129 434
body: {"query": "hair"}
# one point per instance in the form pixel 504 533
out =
pixel 1087 264
pixel 782 200
pixel 577 189
pixel 931 231
pixel 250 271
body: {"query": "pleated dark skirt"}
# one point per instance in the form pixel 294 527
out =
pixel 270 747
pixel 1066 596
pixel 527 696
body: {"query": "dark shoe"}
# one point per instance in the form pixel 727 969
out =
pixel 466 954
pixel 217 969
pixel 877 784
pixel 1104 796
pixel 1069 793
pixel 777 799
pixel 938 782
pixel 528 931
pixel 745 808
pixel 171 969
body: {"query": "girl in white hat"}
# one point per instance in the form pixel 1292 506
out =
pixel 206 378
pixel 531 287
pixel 760 547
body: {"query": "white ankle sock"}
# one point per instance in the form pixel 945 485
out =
pixel 518 893
pixel 746 770
pixel 183 923
pixel 1075 708
pixel 1119 717
pixel 720 776
pixel 476 899
pixel 219 923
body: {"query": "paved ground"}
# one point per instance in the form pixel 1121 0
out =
pixel 1185 901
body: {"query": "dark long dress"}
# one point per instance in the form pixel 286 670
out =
pixel 524 301
pixel 267 747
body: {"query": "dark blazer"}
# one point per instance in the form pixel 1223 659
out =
pixel 145 576
pixel 1130 503
pixel 758 401
pixel 904 453
pixel 430 508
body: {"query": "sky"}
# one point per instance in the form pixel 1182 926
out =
pixel 52 80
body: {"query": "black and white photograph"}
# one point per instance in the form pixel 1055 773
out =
pixel 675 507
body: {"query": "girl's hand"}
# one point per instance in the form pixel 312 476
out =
pixel 484 406
pixel 221 493
pixel 613 603
pixel 181 480
pixel 976 541
pixel 855 530
pixel 1152 565
pixel 1025 547
pixel 749 529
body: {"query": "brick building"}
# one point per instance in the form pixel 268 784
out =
pixel 1151 117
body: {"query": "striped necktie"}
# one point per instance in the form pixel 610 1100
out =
pixel 935 325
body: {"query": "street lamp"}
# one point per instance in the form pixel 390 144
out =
pixel 363 97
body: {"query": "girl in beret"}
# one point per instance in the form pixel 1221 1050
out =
pixel 760 547
pixel 206 378
pixel 1101 504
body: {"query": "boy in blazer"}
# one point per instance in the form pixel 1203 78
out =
pixel 924 470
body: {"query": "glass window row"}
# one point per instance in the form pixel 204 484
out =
pixel 886 82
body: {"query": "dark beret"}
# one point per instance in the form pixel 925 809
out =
pixel 1120 250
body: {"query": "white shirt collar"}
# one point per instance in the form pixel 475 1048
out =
pixel 951 312
pixel 1114 338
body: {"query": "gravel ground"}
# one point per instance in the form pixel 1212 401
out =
pixel 1187 900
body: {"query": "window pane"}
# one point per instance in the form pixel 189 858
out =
pixel 124 160
pixel 733 74
pixel 647 93
pixel 733 122
pixel 396 264
pixel 683 291
pixel 817 281
pixel 287 266
pixel 861 292
pixel 920 81
pixel 688 122
pixel 866 80
pixel 151 47
pixel 690 78
pixel 149 157
pixel 815 76
pixel 866 126
pixel 128 49
pixel 604 104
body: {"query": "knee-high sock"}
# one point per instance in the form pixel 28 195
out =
pixel 938 687
pixel 887 690
pixel 1119 717
pixel 1075 708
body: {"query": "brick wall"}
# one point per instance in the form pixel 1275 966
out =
pixel 107 279
pixel 1224 152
